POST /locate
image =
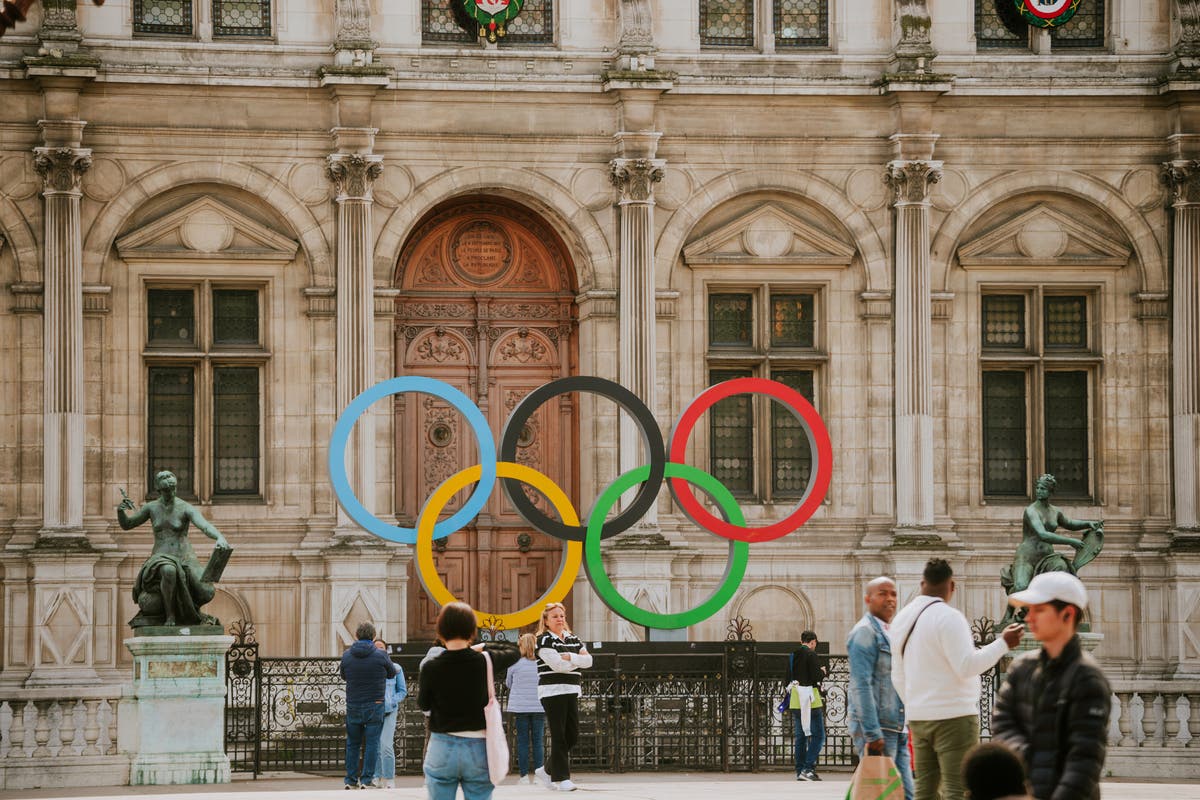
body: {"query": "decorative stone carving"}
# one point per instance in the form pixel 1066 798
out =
pixel 914 51
pixel 637 33
pixel 61 168
pixel 523 348
pixel 353 23
pixel 635 178
pixel 353 175
pixel 1188 48
pixel 440 348
pixel 910 180
pixel 1183 180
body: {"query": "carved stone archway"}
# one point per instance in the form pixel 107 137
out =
pixel 486 303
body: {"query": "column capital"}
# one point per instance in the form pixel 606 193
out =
pixel 635 178
pixel 61 168
pixel 1183 179
pixel 910 180
pixel 353 175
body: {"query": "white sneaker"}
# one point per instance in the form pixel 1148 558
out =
pixel 526 779
pixel 390 785
pixel 544 777
pixel 567 786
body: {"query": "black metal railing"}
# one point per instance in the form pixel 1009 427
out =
pixel 669 706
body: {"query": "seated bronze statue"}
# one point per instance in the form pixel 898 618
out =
pixel 172 586
pixel 1036 553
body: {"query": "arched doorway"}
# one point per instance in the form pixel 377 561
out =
pixel 486 304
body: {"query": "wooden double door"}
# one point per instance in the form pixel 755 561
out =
pixel 486 305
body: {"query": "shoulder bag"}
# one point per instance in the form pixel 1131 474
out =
pixel 497 744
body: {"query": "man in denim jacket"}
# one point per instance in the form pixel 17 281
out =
pixel 876 715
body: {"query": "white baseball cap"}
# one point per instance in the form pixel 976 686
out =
pixel 1052 586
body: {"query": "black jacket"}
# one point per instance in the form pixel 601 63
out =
pixel 453 686
pixel 806 668
pixel 1054 714
pixel 365 669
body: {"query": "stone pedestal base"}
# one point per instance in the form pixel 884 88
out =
pixel 176 710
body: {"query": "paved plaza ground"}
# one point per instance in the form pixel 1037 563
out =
pixel 628 786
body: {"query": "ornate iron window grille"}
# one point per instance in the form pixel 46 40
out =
pixel 172 17
pixel 242 18
pixel 727 23
pixel 801 23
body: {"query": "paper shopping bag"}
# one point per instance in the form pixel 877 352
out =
pixel 876 779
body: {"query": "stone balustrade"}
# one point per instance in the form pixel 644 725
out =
pixel 1154 729
pixel 60 737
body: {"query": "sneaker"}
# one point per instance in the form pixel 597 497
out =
pixel 803 776
pixel 351 786
pixel 543 776
pixel 567 786
pixel 525 779
pixel 809 775
pixel 390 784
pixel 371 785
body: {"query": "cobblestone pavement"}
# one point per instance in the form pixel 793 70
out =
pixel 628 786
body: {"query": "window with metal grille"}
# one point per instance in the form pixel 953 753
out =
pixel 727 23
pixel 998 25
pixel 1037 345
pixel 242 18
pixel 801 23
pixel 204 403
pixel 171 426
pixel 1085 29
pixel 769 334
pixel 445 21
pixel 162 16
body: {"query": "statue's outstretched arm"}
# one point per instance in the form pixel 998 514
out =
pixel 1035 522
pixel 1076 524
pixel 206 527
pixel 126 522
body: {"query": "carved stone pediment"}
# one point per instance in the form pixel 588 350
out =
pixel 770 234
pixel 206 229
pixel 1044 237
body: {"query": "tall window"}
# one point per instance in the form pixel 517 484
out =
pixel 785 24
pixel 231 18
pixel 445 21
pixel 204 357
pixel 769 332
pixel 1039 363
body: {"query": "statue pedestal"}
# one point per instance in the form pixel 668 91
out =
pixel 175 710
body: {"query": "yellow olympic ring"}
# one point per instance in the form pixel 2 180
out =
pixel 572 556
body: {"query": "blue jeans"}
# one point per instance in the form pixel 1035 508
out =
pixel 451 761
pixel 531 729
pixel 809 747
pixel 363 723
pixel 385 767
pixel 895 747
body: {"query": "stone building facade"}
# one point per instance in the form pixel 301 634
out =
pixel 976 250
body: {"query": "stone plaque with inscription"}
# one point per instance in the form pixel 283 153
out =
pixel 480 251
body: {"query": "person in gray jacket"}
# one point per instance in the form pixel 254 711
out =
pixel 528 715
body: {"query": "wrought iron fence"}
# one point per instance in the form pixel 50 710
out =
pixel 669 706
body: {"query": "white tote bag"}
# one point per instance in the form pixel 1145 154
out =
pixel 497 743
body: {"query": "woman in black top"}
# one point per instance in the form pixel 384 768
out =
pixel 454 692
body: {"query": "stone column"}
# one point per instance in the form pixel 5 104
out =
pixel 913 314
pixel 635 179
pixel 353 175
pixel 1183 177
pixel 62 169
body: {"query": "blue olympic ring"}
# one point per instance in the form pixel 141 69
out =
pixel 341 438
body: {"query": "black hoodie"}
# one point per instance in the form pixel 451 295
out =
pixel 366 669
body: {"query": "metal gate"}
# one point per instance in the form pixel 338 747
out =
pixel 669 706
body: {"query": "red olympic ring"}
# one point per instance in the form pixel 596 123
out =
pixel 818 484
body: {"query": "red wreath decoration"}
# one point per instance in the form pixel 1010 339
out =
pixel 13 11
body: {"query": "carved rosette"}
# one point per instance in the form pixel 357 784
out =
pixel 910 180
pixel 635 178
pixel 61 168
pixel 353 176
pixel 1183 179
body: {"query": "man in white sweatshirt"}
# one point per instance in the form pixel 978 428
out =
pixel 935 669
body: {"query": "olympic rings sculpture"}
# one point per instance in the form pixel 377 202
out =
pixel 581 541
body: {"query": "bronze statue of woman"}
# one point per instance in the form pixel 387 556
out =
pixel 171 585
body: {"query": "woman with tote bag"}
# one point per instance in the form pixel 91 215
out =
pixel 455 688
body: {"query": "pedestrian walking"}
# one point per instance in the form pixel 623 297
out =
pixel 394 692
pixel 992 771
pixel 560 657
pixel 529 717
pixel 453 689
pixel 805 673
pixel 365 670
pixel 935 669
pixel 875 712
pixel 1053 707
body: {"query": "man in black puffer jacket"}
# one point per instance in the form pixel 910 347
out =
pixel 1053 708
